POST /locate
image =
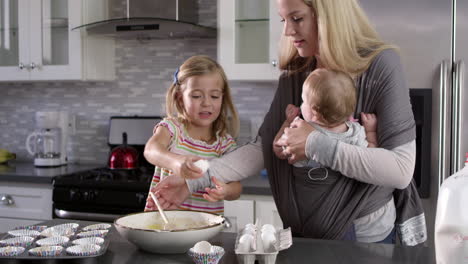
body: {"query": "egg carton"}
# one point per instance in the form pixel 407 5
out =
pixel 22 251
pixel 263 254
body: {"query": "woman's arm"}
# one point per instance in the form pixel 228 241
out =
pixel 378 166
pixel 236 165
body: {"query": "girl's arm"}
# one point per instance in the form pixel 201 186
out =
pixel 157 153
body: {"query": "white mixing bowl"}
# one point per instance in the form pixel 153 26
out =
pixel 146 230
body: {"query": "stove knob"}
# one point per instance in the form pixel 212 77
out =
pixel 86 195
pixel 92 195
pixel 141 197
pixel 75 195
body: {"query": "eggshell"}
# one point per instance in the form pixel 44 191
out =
pixel 202 164
pixel 268 228
pixel 269 240
pixel 246 243
pixel 202 247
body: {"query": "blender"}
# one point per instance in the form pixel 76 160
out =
pixel 48 142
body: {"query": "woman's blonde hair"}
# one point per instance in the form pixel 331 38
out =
pixel 346 40
pixel 332 95
pixel 228 120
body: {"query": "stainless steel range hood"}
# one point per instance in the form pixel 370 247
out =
pixel 159 19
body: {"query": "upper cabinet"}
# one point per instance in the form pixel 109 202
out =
pixel 248 37
pixel 37 43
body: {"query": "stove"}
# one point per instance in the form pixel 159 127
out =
pixel 105 194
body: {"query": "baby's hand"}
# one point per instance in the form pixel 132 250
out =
pixel 216 194
pixel 369 121
pixel 291 112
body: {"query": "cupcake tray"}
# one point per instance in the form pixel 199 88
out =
pixel 63 255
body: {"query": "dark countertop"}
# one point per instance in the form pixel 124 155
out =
pixel 26 172
pixel 256 185
pixel 120 251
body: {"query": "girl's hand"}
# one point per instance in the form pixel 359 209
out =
pixel 294 140
pixel 150 206
pixel 171 192
pixel 216 194
pixel 186 169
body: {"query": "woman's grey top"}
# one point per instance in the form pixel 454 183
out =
pixel 381 90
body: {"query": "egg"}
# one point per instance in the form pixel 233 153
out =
pixel 203 247
pixel 268 228
pixel 202 164
pixel 269 241
pixel 246 243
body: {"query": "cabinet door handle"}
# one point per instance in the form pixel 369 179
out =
pixel 7 200
pixel 32 66
pixel 21 65
pixel 274 63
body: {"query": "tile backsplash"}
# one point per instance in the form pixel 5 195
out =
pixel 144 71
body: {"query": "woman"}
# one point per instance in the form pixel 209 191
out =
pixel 334 34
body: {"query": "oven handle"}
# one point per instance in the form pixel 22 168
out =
pixel 85 216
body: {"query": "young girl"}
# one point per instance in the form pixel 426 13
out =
pixel 198 105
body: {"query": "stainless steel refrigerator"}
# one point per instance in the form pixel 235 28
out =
pixel 433 39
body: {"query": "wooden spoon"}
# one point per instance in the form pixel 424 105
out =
pixel 161 211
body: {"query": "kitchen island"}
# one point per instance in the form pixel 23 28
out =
pixel 303 250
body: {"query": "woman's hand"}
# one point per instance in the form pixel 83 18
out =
pixel 294 140
pixel 186 169
pixel 291 112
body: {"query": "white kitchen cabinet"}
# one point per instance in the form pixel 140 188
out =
pixel 37 43
pixel 265 210
pixel 248 37
pixel 249 208
pixel 24 204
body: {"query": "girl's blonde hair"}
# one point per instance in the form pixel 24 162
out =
pixel 332 95
pixel 346 40
pixel 228 120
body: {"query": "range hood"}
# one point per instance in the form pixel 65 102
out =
pixel 156 19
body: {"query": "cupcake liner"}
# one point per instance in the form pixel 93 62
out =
pixel 21 241
pixel 24 232
pixel 73 226
pixel 57 231
pixel 213 257
pixel 102 226
pixel 83 250
pixel 39 228
pixel 89 240
pixel 46 251
pixel 53 241
pixel 94 233
pixel 11 251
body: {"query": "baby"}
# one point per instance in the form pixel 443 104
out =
pixel 328 102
